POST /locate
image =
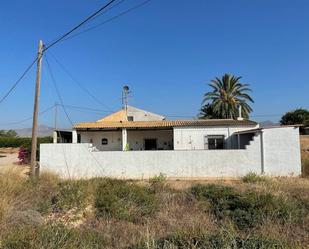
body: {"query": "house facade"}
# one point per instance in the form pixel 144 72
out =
pixel 136 130
pixel 137 144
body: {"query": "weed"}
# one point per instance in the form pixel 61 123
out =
pixel 71 194
pixel 123 200
pixel 215 241
pixel 52 236
pixel 245 209
pixel 252 177
pixel 158 183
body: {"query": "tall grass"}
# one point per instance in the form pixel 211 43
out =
pixel 52 213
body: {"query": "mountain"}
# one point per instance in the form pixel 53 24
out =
pixel 43 131
pixel 268 123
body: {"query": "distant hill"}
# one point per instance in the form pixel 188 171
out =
pixel 268 123
pixel 43 131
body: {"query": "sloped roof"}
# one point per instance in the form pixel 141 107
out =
pixel 114 117
pixel 161 124
pixel 121 115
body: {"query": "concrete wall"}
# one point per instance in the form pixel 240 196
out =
pixel 142 115
pixel 77 161
pixel 193 138
pixel 278 155
pixel 282 151
pixel 95 137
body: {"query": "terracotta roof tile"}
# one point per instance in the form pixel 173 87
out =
pixel 161 124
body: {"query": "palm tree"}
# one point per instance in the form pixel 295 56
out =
pixel 207 112
pixel 227 95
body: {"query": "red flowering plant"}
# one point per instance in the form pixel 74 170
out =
pixel 22 155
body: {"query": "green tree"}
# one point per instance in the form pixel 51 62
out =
pixel 207 112
pixel 297 116
pixel 227 94
pixel 9 133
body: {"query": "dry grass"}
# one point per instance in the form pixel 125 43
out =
pixel 304 144
pixel 52 215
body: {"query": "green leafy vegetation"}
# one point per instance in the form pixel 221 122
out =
pixel 9 133
pixel 227 94
pixel 297 116
pixel 52 236
pixel 214 241
pixel 124 200
pixel 25 142
pixel 71 194
pixel 246 209
pixel 53 213
pixel 253 178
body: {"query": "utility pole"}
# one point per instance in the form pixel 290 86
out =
pixel 56 113
pixel 34 168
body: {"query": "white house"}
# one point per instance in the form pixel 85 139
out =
pixel 136 129
pixel 134 143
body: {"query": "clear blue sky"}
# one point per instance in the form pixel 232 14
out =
pixel 167 52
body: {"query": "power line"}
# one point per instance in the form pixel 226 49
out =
pixel 78 83
pixel 18 80
pixel 27 119
pixel 78 26
pixel 86 108
pixel 109 20
pixel 57 90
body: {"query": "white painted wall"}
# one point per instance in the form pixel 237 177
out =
pixel 95 137
pixel 192 138
pixel 281 158
pixel 77 161
pixel 142 115
pixel 135 139
pixel 164 138
pixel 282 151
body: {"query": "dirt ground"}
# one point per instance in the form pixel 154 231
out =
pixel 9 159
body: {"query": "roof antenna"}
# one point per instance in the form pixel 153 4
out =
pixel 125 97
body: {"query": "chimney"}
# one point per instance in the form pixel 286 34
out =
pixel 239 113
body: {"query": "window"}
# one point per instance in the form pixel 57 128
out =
pixel 130 118
pixel 104 141
pixel 214 142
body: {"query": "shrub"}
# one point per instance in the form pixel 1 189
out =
pixel 123 200
pixel 247 209
pixel 23 155
pixel 24 142
pixel 158 183
pixel 215 241
pixel 252 177
pixel 71 194
pixel 52 236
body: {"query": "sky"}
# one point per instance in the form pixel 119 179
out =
pixel 166 51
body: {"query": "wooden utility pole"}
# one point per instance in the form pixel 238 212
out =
pixel 34 167
pixel 56 113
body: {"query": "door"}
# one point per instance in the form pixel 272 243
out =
pixel 150 144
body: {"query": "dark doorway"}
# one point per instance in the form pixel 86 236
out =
pixel 150 144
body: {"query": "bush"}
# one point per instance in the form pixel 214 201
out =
pixel 52 236
pixel 24 142
pixel 158 183
pixel 71 195
pixel 252 177
pixel 215 241
pixel 124 200
pixel 246 209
